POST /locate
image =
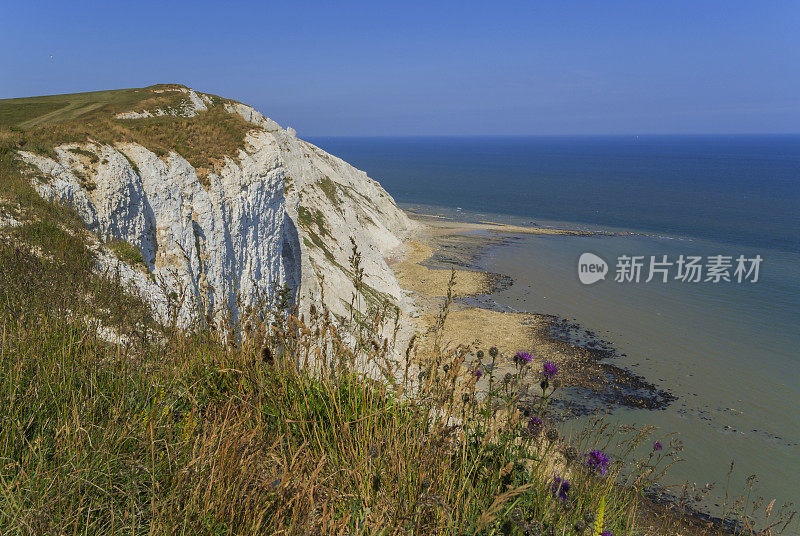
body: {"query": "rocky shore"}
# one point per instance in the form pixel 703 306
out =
pixel 594 382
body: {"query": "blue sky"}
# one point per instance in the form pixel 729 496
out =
pixel 418 68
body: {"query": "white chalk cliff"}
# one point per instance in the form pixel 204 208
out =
pixel 281 213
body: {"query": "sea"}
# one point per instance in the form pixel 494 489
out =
pixel 728 350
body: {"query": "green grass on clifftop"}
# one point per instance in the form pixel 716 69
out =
pixel 29 112
pixel 39 124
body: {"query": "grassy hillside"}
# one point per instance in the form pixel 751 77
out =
pixel 199 433
pixel 39 124
pixel 32 111
pixel 266 427
pixel 111 423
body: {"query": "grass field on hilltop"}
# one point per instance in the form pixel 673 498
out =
pixel 29 112
pixel 38 124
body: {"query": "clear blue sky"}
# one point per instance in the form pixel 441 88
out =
pixel 415 68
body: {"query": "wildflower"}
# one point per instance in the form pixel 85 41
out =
pixel 560 488
pixel 597 462
pixel 508 377
pixel 606 533
pixel 535 425
pixel 551 434
pixel 480 354
pixel 522 358
pixel 478 373
pixel 657 446
pixel 493 351
pixel 549 370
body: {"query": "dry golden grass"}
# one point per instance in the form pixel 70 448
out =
pixel 204 140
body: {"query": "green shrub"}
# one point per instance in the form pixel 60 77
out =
pixel 126 252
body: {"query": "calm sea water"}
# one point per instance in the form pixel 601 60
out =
pixel 730 352
pixel 740 189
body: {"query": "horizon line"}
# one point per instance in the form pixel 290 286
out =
pixel 565 135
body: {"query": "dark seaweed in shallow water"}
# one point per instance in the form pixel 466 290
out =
pixel 593 383
pixel 464 250
pixel 688 509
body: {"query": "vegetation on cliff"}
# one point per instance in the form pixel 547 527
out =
pixel 38 124
pixel 280 423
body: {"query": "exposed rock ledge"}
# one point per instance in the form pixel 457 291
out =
pixel 282 212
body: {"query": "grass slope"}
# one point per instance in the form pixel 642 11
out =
pixel 266 426
pixel 39 124
pixel 28 112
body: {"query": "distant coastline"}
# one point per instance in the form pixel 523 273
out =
pixel 604 378
pixel 445 243
pixel 738 189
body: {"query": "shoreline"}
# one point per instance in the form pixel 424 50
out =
pixel 593 384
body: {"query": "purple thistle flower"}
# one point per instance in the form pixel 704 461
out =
pixel 478 373
pixel 535 425
pixel 560 488
pixel 657 446
pixel 549 369
pixel 522 358
pixel 606 533
pixel 597 461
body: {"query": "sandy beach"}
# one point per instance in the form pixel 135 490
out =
pixel 445 246
pixel 593 384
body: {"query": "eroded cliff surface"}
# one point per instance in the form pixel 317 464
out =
pixel 273 212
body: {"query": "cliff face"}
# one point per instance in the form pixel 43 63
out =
pixel 333 205
pixel 281 212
